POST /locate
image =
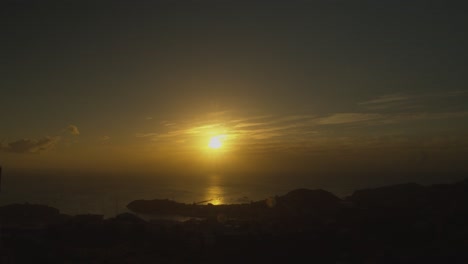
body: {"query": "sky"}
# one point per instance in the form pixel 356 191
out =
pixel 290 86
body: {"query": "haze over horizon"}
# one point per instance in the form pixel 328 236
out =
pixel 337 88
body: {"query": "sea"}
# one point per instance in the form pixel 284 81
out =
pixel 108 194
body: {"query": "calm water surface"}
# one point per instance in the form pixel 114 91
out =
pixel 108 194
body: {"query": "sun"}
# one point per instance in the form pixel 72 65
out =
pixel 216 142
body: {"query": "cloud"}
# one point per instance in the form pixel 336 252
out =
pixel 254 133
pixel 389 101
pixel 290 134
pixel 73 130
pixel 385 99
pixel 346 118
pixel 144 135
pixel 27 145
pixel 413 101
pixel 376 119
pixel 104 138
pixel 424 116
pixel 30 145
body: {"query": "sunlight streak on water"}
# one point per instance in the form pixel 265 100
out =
pixel 109 194
pixel 214 192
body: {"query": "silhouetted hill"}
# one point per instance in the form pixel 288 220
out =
pixel 401 195
pixel 450 196
pixel 127 218
pixel 414 197
pixel 31 215
pixel 310 198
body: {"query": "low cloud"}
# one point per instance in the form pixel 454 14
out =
pixel 30 145
pixel 72 129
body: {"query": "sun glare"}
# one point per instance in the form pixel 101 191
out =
pixel 216 142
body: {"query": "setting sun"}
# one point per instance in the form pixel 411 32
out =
pixel 216 142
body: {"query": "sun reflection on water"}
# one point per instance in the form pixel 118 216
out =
pixel 214 192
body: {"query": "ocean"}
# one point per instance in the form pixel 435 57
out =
pixel 108 194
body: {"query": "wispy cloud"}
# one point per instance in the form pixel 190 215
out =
pixel 445 94
pixel 397 118
pixel 389 101
pixel 376 118
pixel 262 134
pixel 256 132
pixel 145 135
pixel 104 138
pixel 167 124
pixel 346 118
pixel 412 101
pixel 386 99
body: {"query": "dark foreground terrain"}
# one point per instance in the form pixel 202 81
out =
pixel 406 223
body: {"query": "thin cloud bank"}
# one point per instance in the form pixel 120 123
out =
pixel 72 129
pixel 30 145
